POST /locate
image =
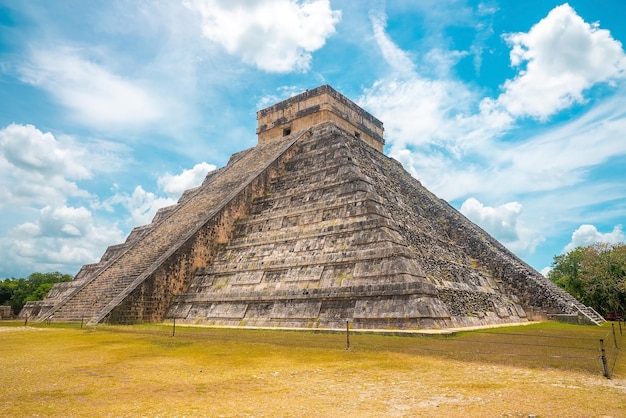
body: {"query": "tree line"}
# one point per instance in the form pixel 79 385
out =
pixel 16 292
pixel 595 275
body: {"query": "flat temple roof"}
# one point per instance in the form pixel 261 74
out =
pixel 316 92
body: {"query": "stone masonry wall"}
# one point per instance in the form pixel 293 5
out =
pixel 459 254
pixel 150 301
pixel 316 106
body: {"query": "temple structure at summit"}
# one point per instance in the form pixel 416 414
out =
pixel 312 227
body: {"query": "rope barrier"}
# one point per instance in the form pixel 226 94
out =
pixel 610 353
pixel 529 345
pixel 537 335
pixel 511 354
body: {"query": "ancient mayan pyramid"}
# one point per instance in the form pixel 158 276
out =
pixel 313 227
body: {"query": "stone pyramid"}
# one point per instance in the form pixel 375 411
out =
pixel 313 227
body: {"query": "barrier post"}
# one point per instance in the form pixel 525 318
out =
pixel 347 335
pixel 614 337
pixel 174 327
pixel 605 369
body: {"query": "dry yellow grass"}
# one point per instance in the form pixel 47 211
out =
pixel 144 371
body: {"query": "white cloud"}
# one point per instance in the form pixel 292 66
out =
pixel 588 234
pixel 422 110
pixel 38 169
pixel 503 223
pixel 39 174
pixel 94 95
pixel 419 111
pixel 554 159
pixel 448 135
pixel 563 56
pixel 395 57
pixel 273 35
pixel 175 185
pixel 562 156
pixel 500 221
pixel 60 238
pixel 29 149
pixel 141 205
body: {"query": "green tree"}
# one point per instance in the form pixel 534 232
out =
pixel 6 291
pixel 566 272
pixel 34 287
pixel 595 275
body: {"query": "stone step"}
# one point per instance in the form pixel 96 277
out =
pixel 332 230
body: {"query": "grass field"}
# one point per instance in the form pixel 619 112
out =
pixel 542 370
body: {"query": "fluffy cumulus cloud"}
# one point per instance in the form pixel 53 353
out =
pixel 61 238
pixel 449 135
pixel 94 95
pixel 500 221
pixel 589 234
pixel 37 168
pixel 29 149
pixel 175 185
pixel 40 173
pixel 142 205
pixel 559 58
pixel 503 223
pixel 273 35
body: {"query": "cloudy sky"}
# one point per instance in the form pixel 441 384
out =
pixel 514 112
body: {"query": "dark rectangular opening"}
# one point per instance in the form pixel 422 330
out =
pixel 287 131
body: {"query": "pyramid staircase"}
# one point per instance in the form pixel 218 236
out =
pixel 114 279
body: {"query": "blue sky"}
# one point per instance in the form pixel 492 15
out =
pixel 514 112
